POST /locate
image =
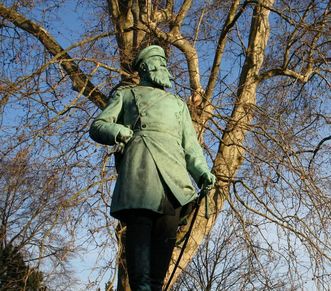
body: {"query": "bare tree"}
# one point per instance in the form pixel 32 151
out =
pixel 255 76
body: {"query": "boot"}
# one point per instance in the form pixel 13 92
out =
pixel 138 246
pixel 160 259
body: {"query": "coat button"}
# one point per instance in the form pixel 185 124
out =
pixel 143 125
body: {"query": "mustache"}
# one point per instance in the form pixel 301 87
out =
pixel 161 70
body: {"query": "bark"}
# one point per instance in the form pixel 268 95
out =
pixel 230 153
pixel 125 16
pixel 130 19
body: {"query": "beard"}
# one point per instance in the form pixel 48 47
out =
pixel 160 76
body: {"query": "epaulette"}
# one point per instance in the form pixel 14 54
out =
pixel 121 86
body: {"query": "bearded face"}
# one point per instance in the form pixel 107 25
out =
pixel 154 70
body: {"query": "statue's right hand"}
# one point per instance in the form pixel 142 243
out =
pixel 124 135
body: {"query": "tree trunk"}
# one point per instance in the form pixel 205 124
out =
pixel 230 153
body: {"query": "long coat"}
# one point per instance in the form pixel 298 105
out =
pixel 164 148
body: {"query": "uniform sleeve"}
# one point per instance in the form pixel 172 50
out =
pixel 195 161
pixel 106 126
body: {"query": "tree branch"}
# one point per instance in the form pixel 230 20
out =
pixel 182 13
pixel 189 51
pixel 286 72
pixel 315 151
pixel 309 69
pixel 230 21
pixel 81 82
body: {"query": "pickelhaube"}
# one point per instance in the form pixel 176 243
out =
pixel 147 52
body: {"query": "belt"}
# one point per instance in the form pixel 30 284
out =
pixel 147 132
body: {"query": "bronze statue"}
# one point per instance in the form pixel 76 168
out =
pixel 153 132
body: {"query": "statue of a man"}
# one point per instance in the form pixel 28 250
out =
pixel 159 149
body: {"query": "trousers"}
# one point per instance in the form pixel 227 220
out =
pixel 150 240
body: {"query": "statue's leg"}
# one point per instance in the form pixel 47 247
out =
pixel 163 242
pixel 138 247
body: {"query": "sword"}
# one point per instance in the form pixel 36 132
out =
pixel 203 194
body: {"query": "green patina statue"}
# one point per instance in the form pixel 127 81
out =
pixel 154 136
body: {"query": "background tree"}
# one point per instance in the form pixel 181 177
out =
pixel 255 76
pixel 15 274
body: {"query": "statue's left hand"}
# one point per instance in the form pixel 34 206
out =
pixel 207 180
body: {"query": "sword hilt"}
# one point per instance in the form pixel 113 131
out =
pixel 204 194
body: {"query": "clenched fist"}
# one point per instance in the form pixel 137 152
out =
pixel 124 135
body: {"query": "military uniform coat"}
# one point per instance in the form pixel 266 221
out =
pixel 163 150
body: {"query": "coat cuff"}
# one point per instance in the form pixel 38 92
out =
pixel 105 133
